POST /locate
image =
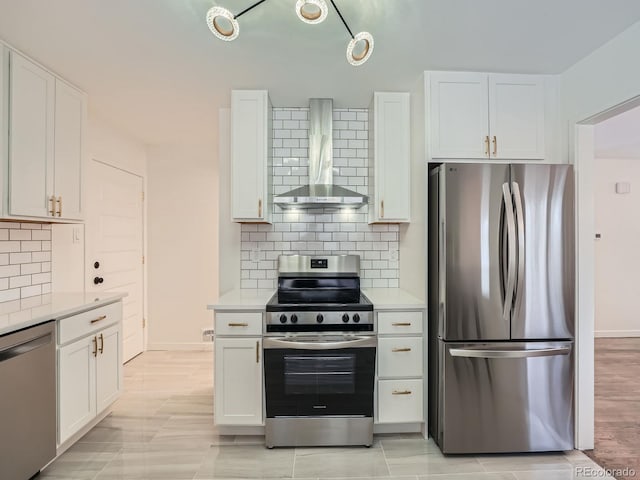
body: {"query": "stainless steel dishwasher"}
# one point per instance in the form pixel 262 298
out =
pixel 27 401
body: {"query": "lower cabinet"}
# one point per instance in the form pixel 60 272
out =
pixel 238 381
pixel 89 370
pixel 400 367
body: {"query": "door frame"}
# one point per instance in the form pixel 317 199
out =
pixel 584 163
pixel 88 252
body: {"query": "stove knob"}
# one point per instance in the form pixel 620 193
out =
pixel 283 318
pixel 356 317
pixel 294 318
pixel 319 318
pixel 345 318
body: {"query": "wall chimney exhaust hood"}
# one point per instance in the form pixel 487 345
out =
pixel 320 192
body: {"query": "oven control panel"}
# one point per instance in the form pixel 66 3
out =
pixel 319 321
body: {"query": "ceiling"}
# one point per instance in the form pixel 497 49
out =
pixel 619 136
pixel 152 68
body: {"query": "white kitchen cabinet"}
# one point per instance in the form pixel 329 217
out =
pixel 89 366
pixel 480 116
pixel 400 367
pixel 251 156
pixel 46 129
pixel 389 158
pixel 238 381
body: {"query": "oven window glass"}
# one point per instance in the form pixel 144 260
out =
pixel 325 374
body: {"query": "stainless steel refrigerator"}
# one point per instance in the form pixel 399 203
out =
pixel 501 307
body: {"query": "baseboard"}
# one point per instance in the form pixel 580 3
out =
pixel 616 333
pixel 199 346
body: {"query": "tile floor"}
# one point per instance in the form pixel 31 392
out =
pixel 162 428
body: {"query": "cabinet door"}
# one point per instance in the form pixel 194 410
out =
pixel 459 115
pixel 238 381
pixel 516 113
pixel 108 367
pixel 70 121
pixel 249 155
pixel 31 144
pixel 76 386
pixel 392 157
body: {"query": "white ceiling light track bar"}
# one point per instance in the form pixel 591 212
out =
pixel 224 25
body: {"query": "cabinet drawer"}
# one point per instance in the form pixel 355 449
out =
pixel 245 323
pixel 82 324
pixel 400 401
pixel 400 357
pixel 399 322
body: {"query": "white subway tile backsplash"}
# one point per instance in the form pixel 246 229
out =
pixel 31 291
pixel 319 231
pixel 19 234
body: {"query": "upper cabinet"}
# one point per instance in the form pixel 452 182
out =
pixel 480 115
pixel 46 123
pixel 251 156
pixel 389 158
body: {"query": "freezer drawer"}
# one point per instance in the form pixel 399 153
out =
pixel 505 397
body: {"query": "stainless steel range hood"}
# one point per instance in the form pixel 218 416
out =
pixel 320 192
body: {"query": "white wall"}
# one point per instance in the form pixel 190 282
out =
pixel 182 244
pixel 413 235
pixel 617 251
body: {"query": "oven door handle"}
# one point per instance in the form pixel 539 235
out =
pixel 353 342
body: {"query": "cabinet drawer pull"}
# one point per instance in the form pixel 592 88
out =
pixel 52 202
pixel 486 145
pixel 59 202
pixel 258 352
pixel 381 208
pixel 401 350
pixel 95 346
pixel 401 392
pixel 101 349
pixel 259 207
pixel 495 146
pixel 234 324
pixel 401 324
pixel 99 319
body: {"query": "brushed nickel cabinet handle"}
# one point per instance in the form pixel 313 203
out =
pixel 401 350
pixel 59 202
pixel 234 324
pixel 259 207
pixel 52 202
pixel 381 208
pixel 95 346
pixel 495 146
pixel 401 324
pixel 258 352
pixel 99 319
pixel 401 392
pixel 101 348
pixel 486 145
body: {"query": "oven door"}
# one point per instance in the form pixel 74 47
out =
pixel 310 376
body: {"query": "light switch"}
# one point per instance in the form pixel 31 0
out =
pixel 623 187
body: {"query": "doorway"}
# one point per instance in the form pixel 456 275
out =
pixel 115 242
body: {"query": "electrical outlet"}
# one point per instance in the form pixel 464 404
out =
pixel 208 334
pixel 393 255
pixel 76 234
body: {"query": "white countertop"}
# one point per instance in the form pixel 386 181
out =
pixel 19 314
pixel 242 300
pixel 392 299
pixel 382 299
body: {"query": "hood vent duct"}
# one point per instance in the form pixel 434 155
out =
pixel 321 191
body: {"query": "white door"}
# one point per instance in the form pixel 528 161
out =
pixel 76 386
pixel 516 113
pixel 238 402
pixel 31 143
pixel 459 118
pixel 70 121
pixel 115 246
pixel 108 368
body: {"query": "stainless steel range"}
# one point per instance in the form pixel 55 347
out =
pixel 319 354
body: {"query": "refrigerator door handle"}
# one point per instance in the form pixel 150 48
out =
pixel 520 236
pixel 511 245
pixel 522 353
